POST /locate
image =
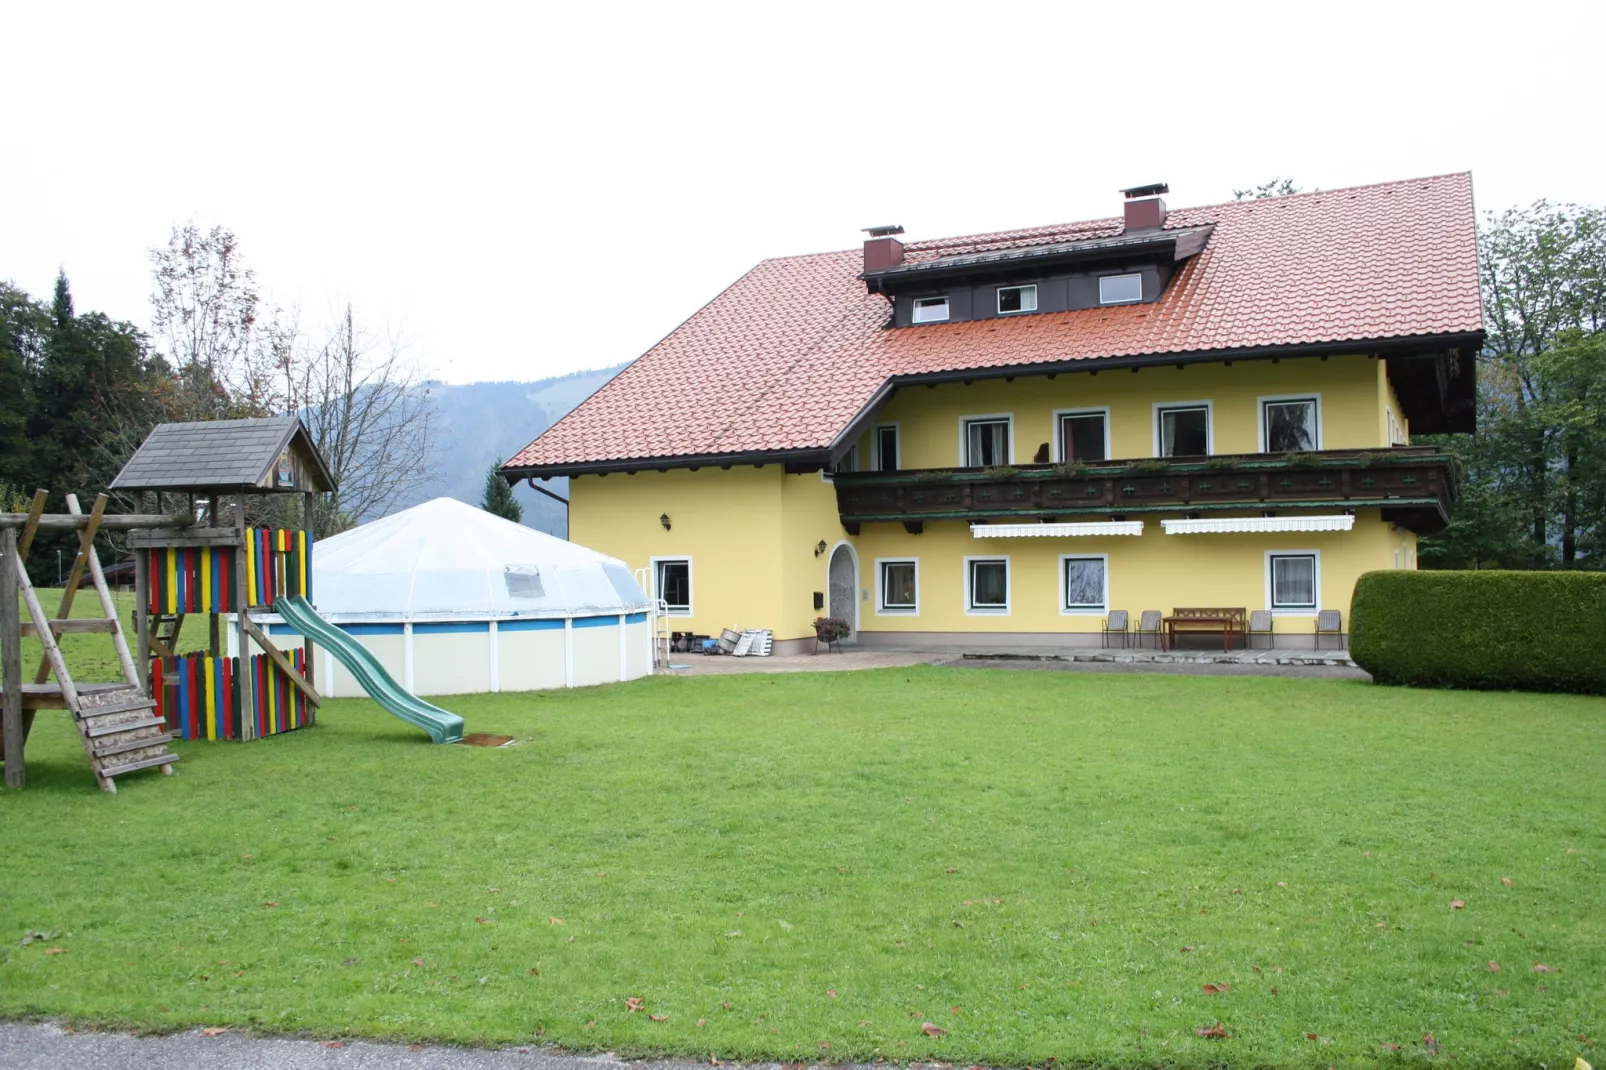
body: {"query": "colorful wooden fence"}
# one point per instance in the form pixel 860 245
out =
pixel 199 696
pixel 200 579
pixel 278 562
pixel 193 579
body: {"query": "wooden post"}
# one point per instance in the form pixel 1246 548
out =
pixel 11 661
pixel 248 719
pixel 306 640
pixel 142 623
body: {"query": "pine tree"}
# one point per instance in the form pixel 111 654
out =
pixel 499 496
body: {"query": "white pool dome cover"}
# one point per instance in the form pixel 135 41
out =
pixel 444 560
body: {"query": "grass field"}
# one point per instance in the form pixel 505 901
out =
pixel 815 867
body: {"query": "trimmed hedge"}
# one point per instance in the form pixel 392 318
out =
pixel 1502 631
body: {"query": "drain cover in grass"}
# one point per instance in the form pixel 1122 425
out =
pixel 483 739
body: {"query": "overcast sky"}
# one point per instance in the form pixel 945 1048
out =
pixel 524 191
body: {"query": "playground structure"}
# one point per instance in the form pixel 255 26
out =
pixel 202 560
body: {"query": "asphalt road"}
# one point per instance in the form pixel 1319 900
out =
pixel 48 1047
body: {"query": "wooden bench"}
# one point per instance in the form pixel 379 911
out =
pixel 1224 621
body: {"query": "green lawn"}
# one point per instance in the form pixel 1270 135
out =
pixel 1041 864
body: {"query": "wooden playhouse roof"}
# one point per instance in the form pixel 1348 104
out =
pixel 215 456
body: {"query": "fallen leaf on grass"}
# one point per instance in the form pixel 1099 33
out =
pixel 1580 1064
pixel 535 971
pixel 1218 989
pixel 270 902
pixel 1457 904
pixel 1215 1032
pixel 725 1006
pixel 1282 884
pixel 1431 1043
pixel 633 1004
pixel 554 921
pixel 956 1010
pixel 701 1022
pixel 418 962
pixel 825 1045
pixel 1506 881
pixel 1274 990
pixel 390 880
pixel 246 858
pixel 1237 891
pixel 950 869
pixel 831 993
pixel 55 951
pixel 1310 1036
pixel 933 1030
pixel 1494 967
pixel 1188 948
pixel 658 1017
pixel 486 921
pixel 214 1031
pixel 1389 1047
pixel 1540 967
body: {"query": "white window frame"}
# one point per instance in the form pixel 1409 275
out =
pixel 1084 611
pixel 1210 422
pixel 914 310
pixel 998 299
pixel 875 442
pixel 1058 444
pixel 691 583
pixel 972 610
pixel 1316 580
pixel 1138 300
pixel 881 607
pixel 1260 415
pixel 964 434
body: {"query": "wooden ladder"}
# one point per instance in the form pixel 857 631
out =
pixel 116 722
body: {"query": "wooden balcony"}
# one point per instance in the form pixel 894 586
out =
pixel 1415 486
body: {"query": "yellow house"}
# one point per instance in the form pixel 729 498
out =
pixel 1003 439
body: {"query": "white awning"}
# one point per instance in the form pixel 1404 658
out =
pixel 1233 524
pixel 1056 531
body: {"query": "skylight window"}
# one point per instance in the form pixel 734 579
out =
pixel 1017 299
pixel 1120 289
pixel 931 309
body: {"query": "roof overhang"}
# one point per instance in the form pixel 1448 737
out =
pixel 1234 525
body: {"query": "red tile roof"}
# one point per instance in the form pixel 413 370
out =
pixel 790 354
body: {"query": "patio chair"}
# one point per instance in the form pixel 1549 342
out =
pixel 1149 624
pixel 1115 624
pixel 1329 622
pixel 1260 624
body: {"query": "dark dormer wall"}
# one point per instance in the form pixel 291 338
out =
pixel 1056 292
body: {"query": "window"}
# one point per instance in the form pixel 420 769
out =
pixel 1291 581
pixel 1120 289
pixel 1084 436
pixel 986 585
pixel 1084 584
pixel 986 442
pixel 1289 425
pixel 523 582
pixel 886 448
pixel 930 309
pixel 1182 430
pixel 849 461
pixel 1397 434
pixel 672 577
pixel 897 586
pixel 1017 299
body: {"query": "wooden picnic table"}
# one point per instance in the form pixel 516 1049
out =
pixel 1228 622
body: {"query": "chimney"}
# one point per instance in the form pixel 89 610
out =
pixel 1144 208
pixel 881 249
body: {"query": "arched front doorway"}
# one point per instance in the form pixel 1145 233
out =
pixel 843 584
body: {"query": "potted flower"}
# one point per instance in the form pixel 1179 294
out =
pixel 830 630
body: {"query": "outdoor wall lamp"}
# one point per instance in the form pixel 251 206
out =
pixel 820 548
pixel 663 518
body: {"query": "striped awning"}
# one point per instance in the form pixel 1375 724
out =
pixel 1056 531
pixel 1218 525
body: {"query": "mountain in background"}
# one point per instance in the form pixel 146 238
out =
pixel 478 423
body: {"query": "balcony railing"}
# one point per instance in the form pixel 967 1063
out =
pixel 1415 486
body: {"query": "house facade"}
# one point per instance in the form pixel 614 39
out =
pixel 1001 438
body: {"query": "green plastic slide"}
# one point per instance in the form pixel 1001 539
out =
pixel 442 727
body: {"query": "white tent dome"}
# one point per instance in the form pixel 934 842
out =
pixel 444 560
